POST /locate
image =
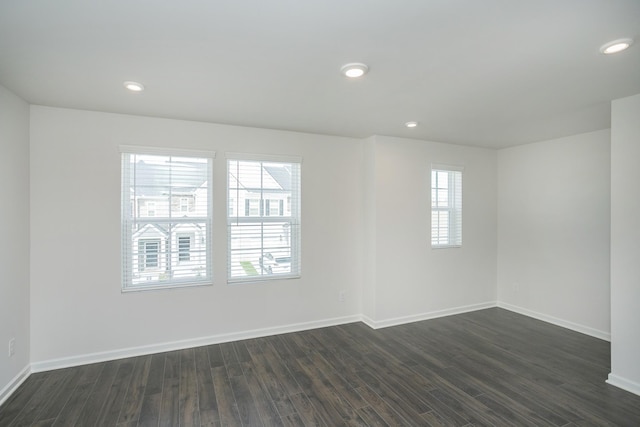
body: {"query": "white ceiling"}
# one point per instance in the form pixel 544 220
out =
pixel 490 73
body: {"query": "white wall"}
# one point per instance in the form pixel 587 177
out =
pixel 625 244
pixel 553 231
pixel 77 307
pixel 412 280
pixel 14 244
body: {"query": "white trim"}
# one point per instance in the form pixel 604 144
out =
pixel 13 385
pixel 623 383
pixel 161 151
pixel 65 362
pixel 446 167
pixel 377 324
pixel 556 321
pixel 264 157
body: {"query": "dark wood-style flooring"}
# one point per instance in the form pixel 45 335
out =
pixel 490 367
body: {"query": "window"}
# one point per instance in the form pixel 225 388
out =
pixel 151 209
pixel 148 251
pixel 264 238
pixel 252 207
pixel 184 204
pixel 166 218
pixel 446 206
pixel 184 248
pixel 274 207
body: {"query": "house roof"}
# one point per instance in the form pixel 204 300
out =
pixel 154 180
pixel 490 73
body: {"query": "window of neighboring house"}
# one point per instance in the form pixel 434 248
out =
pixel 264 241
pixel 273 207
pixel 155 247
pixel 148 252
pixel 252 207
pixel 184 248
pixel 184 204
pixel 446 206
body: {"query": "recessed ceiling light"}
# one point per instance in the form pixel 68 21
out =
pixel 616 46
pixel 134 86
pixel 411 124
pixel 354 70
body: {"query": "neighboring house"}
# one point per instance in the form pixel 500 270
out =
pixel 169 233
pixel 262 192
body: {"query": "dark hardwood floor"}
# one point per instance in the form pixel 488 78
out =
pixel 490 367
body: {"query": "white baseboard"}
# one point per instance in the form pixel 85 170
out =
pixel 14 384
pixel 65 362
pixel 556 321
pixel 377 324
pixel 623 383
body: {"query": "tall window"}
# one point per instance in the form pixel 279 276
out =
pixel 184 248
pixel 264 223
pixel 446 206
pixel 148 250
pixel 166 218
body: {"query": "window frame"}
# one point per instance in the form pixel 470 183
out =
pixel 293 230
pixel 454 210
pixel 129 216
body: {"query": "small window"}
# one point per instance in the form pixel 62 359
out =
pixel 184 204
pixel 252 207
pixel 151 209
pixel 184 248
pixel 446 206
pixel 161 246
pixel 274 207
pixel 264 240
pixel 148 252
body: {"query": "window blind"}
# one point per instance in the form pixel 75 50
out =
pixel 166 218
pixel 446 206
pixel 264 235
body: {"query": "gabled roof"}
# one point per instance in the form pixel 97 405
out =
pixel 153 179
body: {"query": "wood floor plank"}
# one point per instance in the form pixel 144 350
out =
pixel 207 403
pixel 114 399
pixel 91 410
pixel 130 412
pixel 150 410
pixel 227 407
pixel 264 405
pixel 17 403
pixel 341 385
pixel 247 408
pixel 170 402
pixel 387 412
pixel 66 387
pixel 189 412
pixel 371 417
pixel 407 409
pixel 42 398
pixel 277 391
pixel 215 356
pixel 306 411
pixel 231 361
pixel 321 397
pixel 152 399
pixel 294 420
